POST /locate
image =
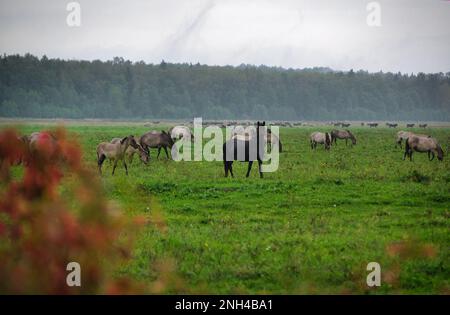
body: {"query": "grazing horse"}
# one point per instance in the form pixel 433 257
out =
pixel 423 144
pixel 423 125
pixel 131 151
pixel 372 125
pixel 345 125
pixel 410 125
pixel 391 125
pixel 245 148
pixel 156 139
pixel 320 137
pixel 115 152
pixel 342 134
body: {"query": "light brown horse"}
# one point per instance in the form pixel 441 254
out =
pixel 423 144
pixel 320 137
pixel 131 151
pixel 114 151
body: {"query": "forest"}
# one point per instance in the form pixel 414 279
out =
pixel 32 87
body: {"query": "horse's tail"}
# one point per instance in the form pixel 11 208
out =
pixel 407 146
pixel 327 138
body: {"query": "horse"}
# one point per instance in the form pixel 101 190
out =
pixel 410 125
pixel 131 151
pixel 115 152
pixel 181 132
pixel 391 125
pixel 156 139
pixel 345 125
pixel 423 126
pixel 372 125
pixel 342 134
pixel 247 143
pixel 423 144
pixel 320 137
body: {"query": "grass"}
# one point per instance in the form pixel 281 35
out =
pixel 311 227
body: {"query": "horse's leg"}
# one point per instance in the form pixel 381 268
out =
pixel 167 154
pixel 410 155
pixel 312 146
pixel 130 159
pixel 125 165
pixel 114 167
pixel 225 166
pixel 432 156
pixel 159 151
pixel 231 168
pixel 260 169
pixel 100 163
pixel 346 141
pixel 250 163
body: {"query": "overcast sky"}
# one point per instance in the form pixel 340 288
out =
pixel 414 35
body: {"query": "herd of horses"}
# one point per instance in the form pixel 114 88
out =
pixel 413 142
pixel 123 149
pixel 328 138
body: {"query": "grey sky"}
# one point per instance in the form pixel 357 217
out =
pixel 414 35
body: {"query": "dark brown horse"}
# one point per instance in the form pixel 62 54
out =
pixel 342 134
pixel 246 149
pixel 156 139
pixel 391 125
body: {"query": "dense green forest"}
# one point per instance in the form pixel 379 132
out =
pixel 55 88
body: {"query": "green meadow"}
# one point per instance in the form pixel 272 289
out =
pixel 309 228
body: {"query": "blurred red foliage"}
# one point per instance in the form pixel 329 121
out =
pixel 44 225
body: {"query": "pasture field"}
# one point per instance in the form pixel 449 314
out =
pixel 311 227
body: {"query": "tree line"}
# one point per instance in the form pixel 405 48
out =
pixel 54 88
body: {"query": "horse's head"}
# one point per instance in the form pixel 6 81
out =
pixel 143 154
pixel 352 137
